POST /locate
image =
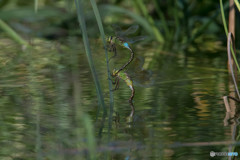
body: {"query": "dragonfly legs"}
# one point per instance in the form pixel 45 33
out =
pixel 114 50
pixel 116 82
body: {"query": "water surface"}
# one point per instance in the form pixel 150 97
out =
pixel 182 108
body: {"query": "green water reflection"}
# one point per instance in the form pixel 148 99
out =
pixel 38 118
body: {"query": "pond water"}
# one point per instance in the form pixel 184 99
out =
pixel 175 116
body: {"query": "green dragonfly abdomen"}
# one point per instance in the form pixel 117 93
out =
pixel 124 76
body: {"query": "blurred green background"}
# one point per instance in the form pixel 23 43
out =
pixel 172 24
pixel 55 96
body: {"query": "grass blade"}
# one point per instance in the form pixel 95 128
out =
pixel 237 4
pixel 8 30
pixel 82 24
pixel 226 31
pixel 100 26
pixel 223 18
pixel 85 119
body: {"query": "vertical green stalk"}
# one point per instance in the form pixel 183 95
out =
pixel 82 24
pixel 223 18
pixel 226 31
pixel 100 26
pixel 91 142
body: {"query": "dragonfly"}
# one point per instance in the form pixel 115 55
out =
pixel 122 40
pixel 134 75
pixel 125 77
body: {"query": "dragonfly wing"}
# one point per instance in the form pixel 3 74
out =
pixel 136 64
pixel 122 34
pixel 117 29
pixel 140 76
pixel 143 78
pixel 132 29
pixel 135 39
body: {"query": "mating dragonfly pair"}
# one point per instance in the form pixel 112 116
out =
pixel 138 73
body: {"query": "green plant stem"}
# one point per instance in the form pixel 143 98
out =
pixel 85 119
pixel 82 23
pixel 11 33
pixel 100 26
pixel 223 18
pixel 226 31
pixel 237 4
